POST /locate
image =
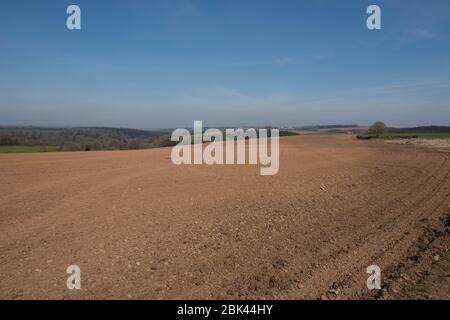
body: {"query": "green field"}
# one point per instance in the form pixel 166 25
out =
pixel 27 149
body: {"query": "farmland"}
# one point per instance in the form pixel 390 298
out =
pixel 27 149
pixel 140 227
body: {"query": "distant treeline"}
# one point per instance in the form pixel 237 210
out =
pixel 434 129
pixel 85 138
pixel 89 138
pixel 331 126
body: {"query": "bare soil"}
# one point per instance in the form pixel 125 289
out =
pixel 140 227
pixel 441 144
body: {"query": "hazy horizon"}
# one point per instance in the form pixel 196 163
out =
pixel 164 64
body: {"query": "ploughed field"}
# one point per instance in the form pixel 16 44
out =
pixel 140 227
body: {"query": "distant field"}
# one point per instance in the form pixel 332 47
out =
pixel 27 149
pixel 423 135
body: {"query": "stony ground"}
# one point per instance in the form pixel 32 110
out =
pixel 140 227
pixel 441 144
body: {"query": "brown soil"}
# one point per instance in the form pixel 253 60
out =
pixel 441 144
pixel 140 227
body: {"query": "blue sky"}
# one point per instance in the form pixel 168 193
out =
pixel 152 64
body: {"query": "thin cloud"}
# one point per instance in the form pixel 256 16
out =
pixel 283 61
pixel 422 33
pixel 419 34
pixel 280 62
pixel 323 56
pixel 182 12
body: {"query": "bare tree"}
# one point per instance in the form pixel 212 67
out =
pixel 378 128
